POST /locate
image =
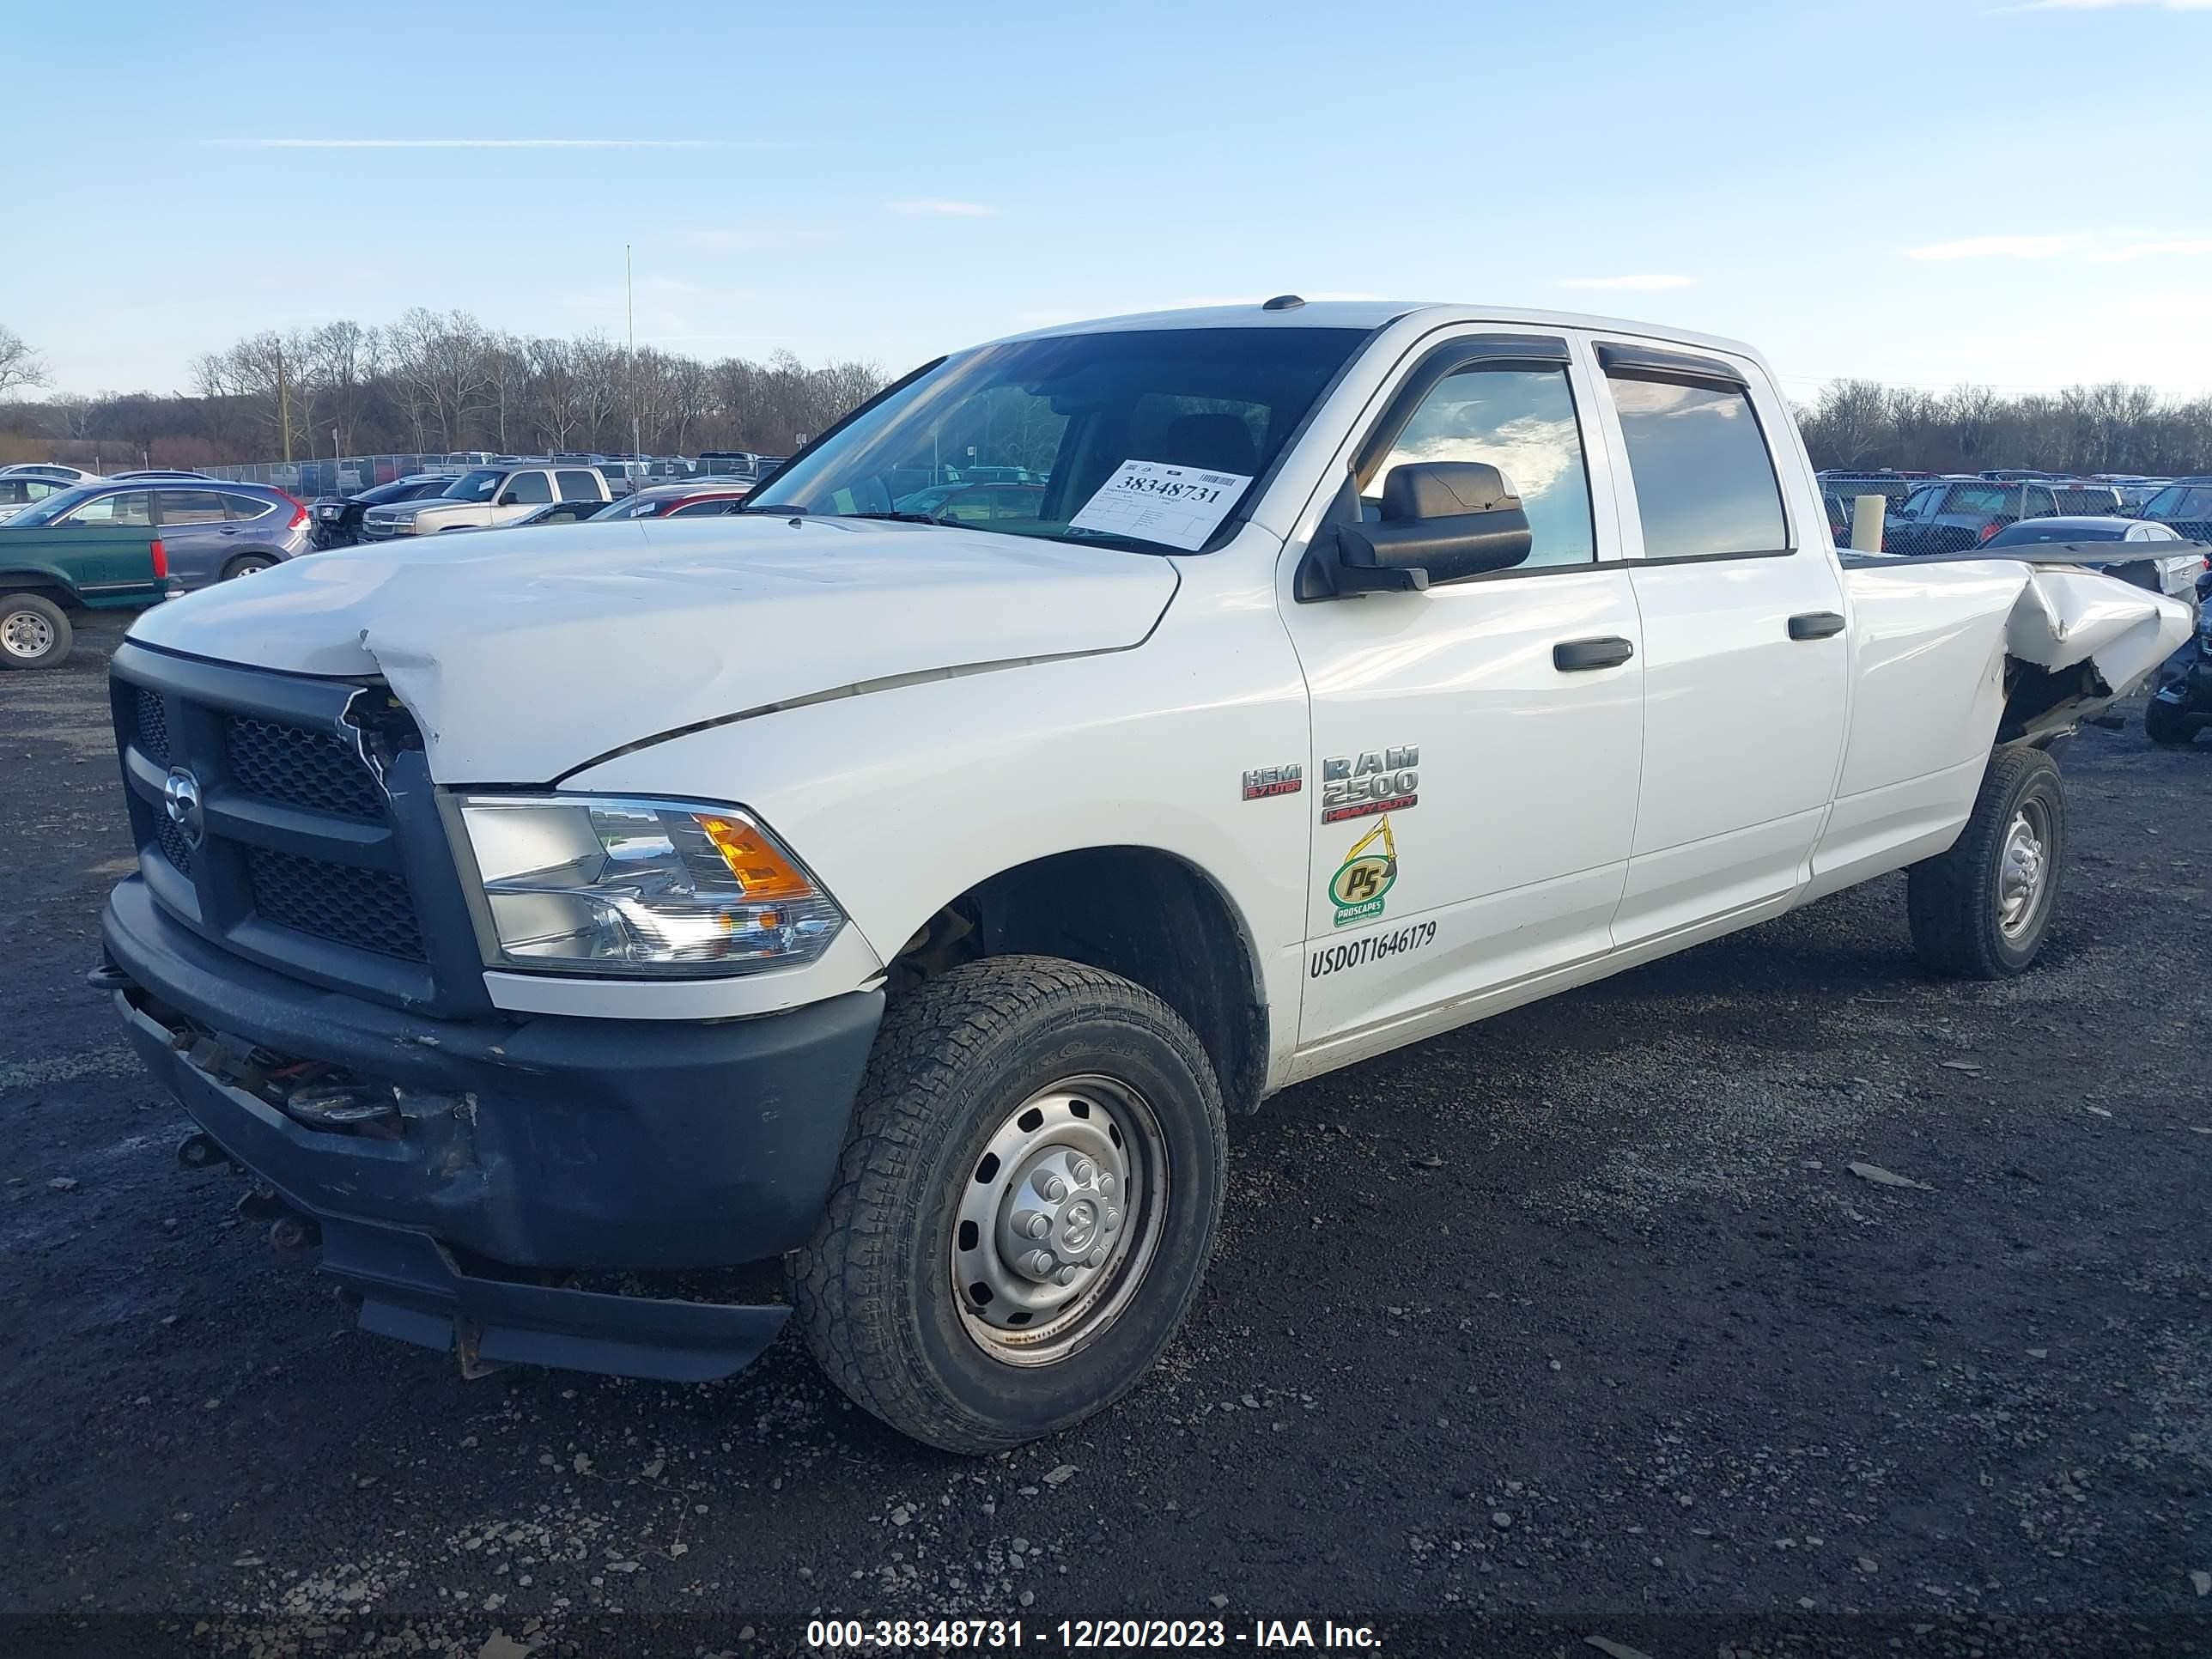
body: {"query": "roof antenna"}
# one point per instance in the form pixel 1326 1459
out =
pixel 1282 302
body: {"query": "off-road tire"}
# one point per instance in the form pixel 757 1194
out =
pixel 1953 900
pixel 873 1291
pixel 41 610
pixel 2165 724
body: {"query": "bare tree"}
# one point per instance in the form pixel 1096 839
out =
pixel 20 368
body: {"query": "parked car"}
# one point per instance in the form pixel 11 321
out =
pixel 56 566
pixel 970 503
pixel 555 513
pixel 2161 560
pixel 20 491
pixel 2084 498
pixel 1894 486
pixel 210 533
pixel 2182 705
pixel 702 498
pixel 54 472
pixel 2016 474
pixel 155 475
pixel 1955 515
pixel 486 496
pixel 2184 506
pixel 916 902
pixel 338 522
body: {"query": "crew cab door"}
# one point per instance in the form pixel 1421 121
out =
pixel 1474 757
pixel 1746 655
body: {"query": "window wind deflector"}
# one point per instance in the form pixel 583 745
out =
pixel 1510 348
pixel 1652 363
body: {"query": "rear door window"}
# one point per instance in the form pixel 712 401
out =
pixel 579 486
pixel 188 507
pixel 1705 486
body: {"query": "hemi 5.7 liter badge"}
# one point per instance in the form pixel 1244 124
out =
pixel 1261 782
pixel 1366 787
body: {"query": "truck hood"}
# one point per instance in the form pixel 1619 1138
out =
pixel 525 654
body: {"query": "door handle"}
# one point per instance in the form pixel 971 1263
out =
pixel 1815 625
pixel 1573 656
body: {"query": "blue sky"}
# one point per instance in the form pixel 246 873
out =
pixel 1928 192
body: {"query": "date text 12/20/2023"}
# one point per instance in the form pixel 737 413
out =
pixel 879 1635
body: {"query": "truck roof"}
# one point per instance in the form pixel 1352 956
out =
pixel 1374 314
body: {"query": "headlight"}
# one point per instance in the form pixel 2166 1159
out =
pixel 619 886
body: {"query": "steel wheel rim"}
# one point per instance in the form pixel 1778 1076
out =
pixel 2024 869
pixel 25 634
pixel 1096 1143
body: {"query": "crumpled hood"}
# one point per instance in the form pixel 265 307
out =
pixel 523 655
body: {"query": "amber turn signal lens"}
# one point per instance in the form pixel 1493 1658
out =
pixel 760 867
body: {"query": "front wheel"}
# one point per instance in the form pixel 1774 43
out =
pixel 1024 1208
pixel 35 632
pixel 1982 909
pixel 2164 723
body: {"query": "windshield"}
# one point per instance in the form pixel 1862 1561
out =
pixel 48 511
pixel 477 486
pixel 634 506
pixel 1148 439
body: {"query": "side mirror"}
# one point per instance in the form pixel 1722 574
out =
pixel 507 498
pixel 1443 521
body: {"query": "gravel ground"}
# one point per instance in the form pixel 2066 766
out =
pixel 1583 1323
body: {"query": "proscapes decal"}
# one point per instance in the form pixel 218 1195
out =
pixel 1381 780
pixel 1364 876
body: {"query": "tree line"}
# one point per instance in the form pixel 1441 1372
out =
pixel 436 381
pixel 439 381
pixel 2113 428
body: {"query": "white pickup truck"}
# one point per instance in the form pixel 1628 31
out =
pixel 915 901
pixel 484 497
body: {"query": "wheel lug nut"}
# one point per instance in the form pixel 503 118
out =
pixel 1039 1263
pixel 1079 1169
pixel 1113 1221
pixel 1096 1258
pixel 1108 1185
pixel 1066 1275
pixel 1032 1223
pixel 1053 1188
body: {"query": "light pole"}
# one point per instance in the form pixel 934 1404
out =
pixel 630 294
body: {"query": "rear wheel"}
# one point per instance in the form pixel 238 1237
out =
pixel 35 632
pixel 246 564
pixel 1982 909
pixel 1024 1208
pixel 2164 723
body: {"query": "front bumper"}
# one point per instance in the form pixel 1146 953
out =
pixel 521 1147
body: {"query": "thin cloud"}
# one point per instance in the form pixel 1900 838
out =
pixel 2110 5
pixel 1653 281
pixel 474 144
pixel 938 206
pixel 1995 248
pixel 754 238
pixel 2147 250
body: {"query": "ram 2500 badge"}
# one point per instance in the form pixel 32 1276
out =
pixel 915 901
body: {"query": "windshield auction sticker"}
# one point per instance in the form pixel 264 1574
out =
pixel 1158 503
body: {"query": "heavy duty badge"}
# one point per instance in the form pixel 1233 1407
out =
pixel 1364 876
pixel 1379 782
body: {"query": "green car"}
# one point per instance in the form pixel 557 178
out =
pixel 106 557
